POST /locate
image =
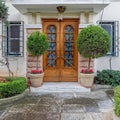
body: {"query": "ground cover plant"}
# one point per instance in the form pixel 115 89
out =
pixel 12 87
pixel 117 100
pixel 108 77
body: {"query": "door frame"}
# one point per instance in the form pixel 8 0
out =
pixel 64 20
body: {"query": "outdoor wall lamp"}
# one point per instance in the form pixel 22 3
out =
pixel 61 9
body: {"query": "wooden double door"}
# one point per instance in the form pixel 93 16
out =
pixel 61 60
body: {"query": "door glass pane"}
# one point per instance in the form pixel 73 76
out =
pixel 68 45
pixel 51 57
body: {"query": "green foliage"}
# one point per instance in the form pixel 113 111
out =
pixel 93 42
pixel 14 87
pixel 37 43
pixel 9 78
pixel 108 77
pixel 3 11
pixel 117 100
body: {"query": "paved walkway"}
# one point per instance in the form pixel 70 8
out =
pixel 72 105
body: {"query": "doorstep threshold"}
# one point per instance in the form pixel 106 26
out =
pixel 53 87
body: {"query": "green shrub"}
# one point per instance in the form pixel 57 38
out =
pixel 37 44
pixel 9 78
pixel 117 100
pixel 93 42
pixel 14 87
pixel 108 77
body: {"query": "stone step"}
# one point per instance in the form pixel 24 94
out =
pixel 60 87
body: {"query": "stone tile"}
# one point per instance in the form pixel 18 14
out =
pixel 52 116
pixel 106 104
pixel 97 116
pixel 83 101
pixel 39 116
pixel 108 115
pixel 73 116
pixel 14 116
pixel 20 107
pixel 88 117
pixel 1 112
pixel 93 95
pixel 48 100
pixel 35 116
pixel 73 108
pixel 64 96
pixel 92 108
pixel 42 108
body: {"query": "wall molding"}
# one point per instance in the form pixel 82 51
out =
pixel 83 25
pixel 33 26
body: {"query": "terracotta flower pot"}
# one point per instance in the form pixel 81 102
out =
pixel 36 79
pixel 86 80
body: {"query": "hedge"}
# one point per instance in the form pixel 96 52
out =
pixel 108 77
pixel 12 88
pixel 117 100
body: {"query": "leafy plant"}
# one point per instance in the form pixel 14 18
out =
pixel 14 87
pixel 37 44
pixel 3 11
pixel 93 42
pixel 117 100
pixel 9 79
pixel 108 77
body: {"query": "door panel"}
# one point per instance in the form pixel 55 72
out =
pixel 61 59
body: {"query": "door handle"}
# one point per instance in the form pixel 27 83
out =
pixel 69 63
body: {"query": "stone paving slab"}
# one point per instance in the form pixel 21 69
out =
pixel 73 108
pixel 72 116
pixel 95 105
pixel 106 104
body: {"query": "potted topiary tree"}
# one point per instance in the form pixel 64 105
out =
pixel 37 44
pixel 92 42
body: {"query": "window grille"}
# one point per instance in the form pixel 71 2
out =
pixel 13 38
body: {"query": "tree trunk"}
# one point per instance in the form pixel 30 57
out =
pixel 37 63
pixel 89 64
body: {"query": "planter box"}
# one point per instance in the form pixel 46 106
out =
pixel 36 79
pixel 86 80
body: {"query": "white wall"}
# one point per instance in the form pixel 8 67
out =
pixel 17 64
pixel 110 13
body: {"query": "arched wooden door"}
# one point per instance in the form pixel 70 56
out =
pixel 61 60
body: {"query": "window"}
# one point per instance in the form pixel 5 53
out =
pixel 13 39
pixel 112 28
